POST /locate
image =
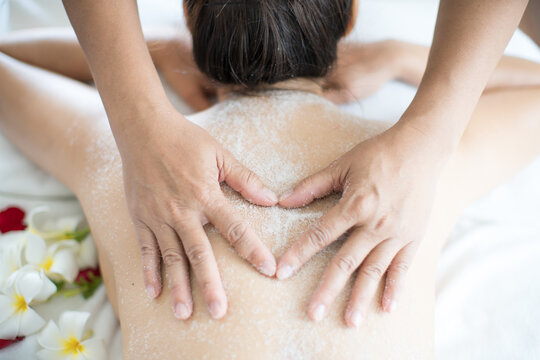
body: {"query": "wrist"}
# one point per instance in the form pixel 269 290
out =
pixel 143 120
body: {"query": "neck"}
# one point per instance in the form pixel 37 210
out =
pixel 298 84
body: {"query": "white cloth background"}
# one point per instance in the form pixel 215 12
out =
pixel 488 290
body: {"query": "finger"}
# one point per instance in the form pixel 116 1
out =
pixel 325 231
pixel 340 269
pixel 395 277
pixel 202 260
pixel 176 270
pixel 150 260
pixel 247 244
pixel 369 277
pixel 315 186
pixel 245 182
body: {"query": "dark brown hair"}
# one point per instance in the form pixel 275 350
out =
pixel 253 42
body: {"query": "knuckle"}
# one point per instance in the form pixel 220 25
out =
pixel 250 178
pixel 347 264
pixel 140 226
pixel 400 267
pixel 356 207
pixel 318 237
pixel 383 221
pixel 237 234
pixel 197 255
pixel 171 256
pixel 202 194
pixel 372 271
pixel 361 206
pixel 306 183
pixel 148 251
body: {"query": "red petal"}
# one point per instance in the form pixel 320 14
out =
pixel 85 274
pixel 5 343
pixel 11 219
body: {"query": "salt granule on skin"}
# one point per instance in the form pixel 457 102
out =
pixel 283 136
pixel 265 140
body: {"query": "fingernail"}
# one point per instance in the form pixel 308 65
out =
pixel 268 268
pixel 269 195
pixel 215 310
pixel 284 272
pixel 318 313
pixel 285 195
pixel 151 291
pixel 181 311
pixel 355 318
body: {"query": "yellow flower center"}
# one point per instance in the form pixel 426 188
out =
pixel 72 346
pixel 46 265
pixel 20 304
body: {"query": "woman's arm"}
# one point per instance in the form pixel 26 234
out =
pixel 409 63
pixel 364 67
pixel 57 50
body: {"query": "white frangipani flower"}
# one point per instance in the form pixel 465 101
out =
pixel 41 221
pixel 87 255
pixel 23 287
pixel 67 341
pixel 58 260
pixel 11 246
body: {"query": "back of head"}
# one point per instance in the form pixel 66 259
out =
pixel 255 42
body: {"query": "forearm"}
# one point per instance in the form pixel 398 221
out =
pixel 111 37
pixel 469 40
pixel 510 71
pixel 57 49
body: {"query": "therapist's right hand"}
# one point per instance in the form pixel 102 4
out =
pixel 172 175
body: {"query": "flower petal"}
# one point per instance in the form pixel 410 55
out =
pixel 47 289
pixel 94 349
pixel 65 264
pixel 30 322
pixel 10 258
pixel 72 323
pixel 35 249
pixel 50 338
pixel 27 282
pixel 50 226
pixel 46 354
pixel 9 328
pixel 6 307
pixel 87 256
pixel 64 244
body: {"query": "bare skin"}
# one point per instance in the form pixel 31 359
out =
pixel 469 39
pixel 72 140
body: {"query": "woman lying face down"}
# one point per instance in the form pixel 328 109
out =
pixel 283 130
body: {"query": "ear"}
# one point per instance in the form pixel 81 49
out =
pixel 352 18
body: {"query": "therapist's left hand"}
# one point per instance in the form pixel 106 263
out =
pixel 388 184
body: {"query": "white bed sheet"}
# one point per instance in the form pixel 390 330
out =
pixel 488 289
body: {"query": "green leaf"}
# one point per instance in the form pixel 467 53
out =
pixel 78 235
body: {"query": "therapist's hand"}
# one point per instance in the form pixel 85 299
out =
pixel 388 184
pixel 172 174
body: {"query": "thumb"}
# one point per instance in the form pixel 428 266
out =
pixel 313 187
pixel 246 182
